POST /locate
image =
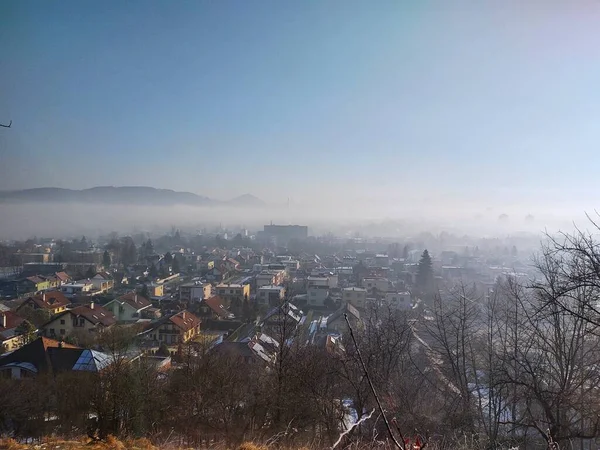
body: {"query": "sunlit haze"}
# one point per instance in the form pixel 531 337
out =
pixel 359 109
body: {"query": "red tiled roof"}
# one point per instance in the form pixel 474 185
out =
pixel 12 321
pixel 135 300
pixel 185 320
pixel 62 276
pixel 50 300
pixel 216 305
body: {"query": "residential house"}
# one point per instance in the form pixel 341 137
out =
pixel 355 296
pixel 231 265
pixel 374 285
pixel 195 291
pixel 270 277
pixel 286 314
pixel 231 293
pixel 102 282
pixel 75 289
pixel 9 338
pixel 83 319
pixel 214 308
pixel 399 300
pixel 48 356
pixel 38 283
pixel 156 290
pixel 53 281
pixel 259 348
pixel 336 322
pixel 179 328
pixel 129 307
pixel 52 301
pixel 323 277
pixel 270 295
pixel 318 289
pixel 63 277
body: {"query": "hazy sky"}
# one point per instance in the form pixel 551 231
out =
pixel 480 102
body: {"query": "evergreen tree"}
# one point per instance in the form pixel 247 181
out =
pixel 106 259
pixel 425 273
pixel 175 265
pixel 163 272
pixel 236 306
pixel 246 310
pixel 129 251
pixel 152 272
pixel 90 272
pixel 163 350
pixel 168 258
pixel 149 250
pixel 144 291
pixel 238 240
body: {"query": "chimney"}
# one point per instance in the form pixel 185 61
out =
pixel 91 305
pixel 183 315
pixel 43 296
pixel 3 321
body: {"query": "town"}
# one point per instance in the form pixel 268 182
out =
pixel 299 225
pixel 231 309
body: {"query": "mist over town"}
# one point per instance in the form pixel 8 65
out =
pixel 260 225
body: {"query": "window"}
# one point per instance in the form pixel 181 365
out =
pixel 231 291
pixel 62 321
pixel 81 322
pixel 51 331
pixel 62 331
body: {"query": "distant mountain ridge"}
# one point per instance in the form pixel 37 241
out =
pixel 128 195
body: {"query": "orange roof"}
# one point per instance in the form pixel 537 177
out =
pixel 51 343
pixel 62 276
pixel 185 320
pixel 50 300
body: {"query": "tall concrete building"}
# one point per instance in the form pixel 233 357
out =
pixel 284 233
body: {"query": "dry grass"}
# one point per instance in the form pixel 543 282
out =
pixel 111 443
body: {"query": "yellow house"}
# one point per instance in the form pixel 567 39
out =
pixel 38 283
pixel 156 290
pixel 9 339
pixel 52 301
pixel 233 292
pixel 179 328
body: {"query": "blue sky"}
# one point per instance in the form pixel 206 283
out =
pixel 466 102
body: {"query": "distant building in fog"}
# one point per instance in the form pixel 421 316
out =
pixel 284 233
